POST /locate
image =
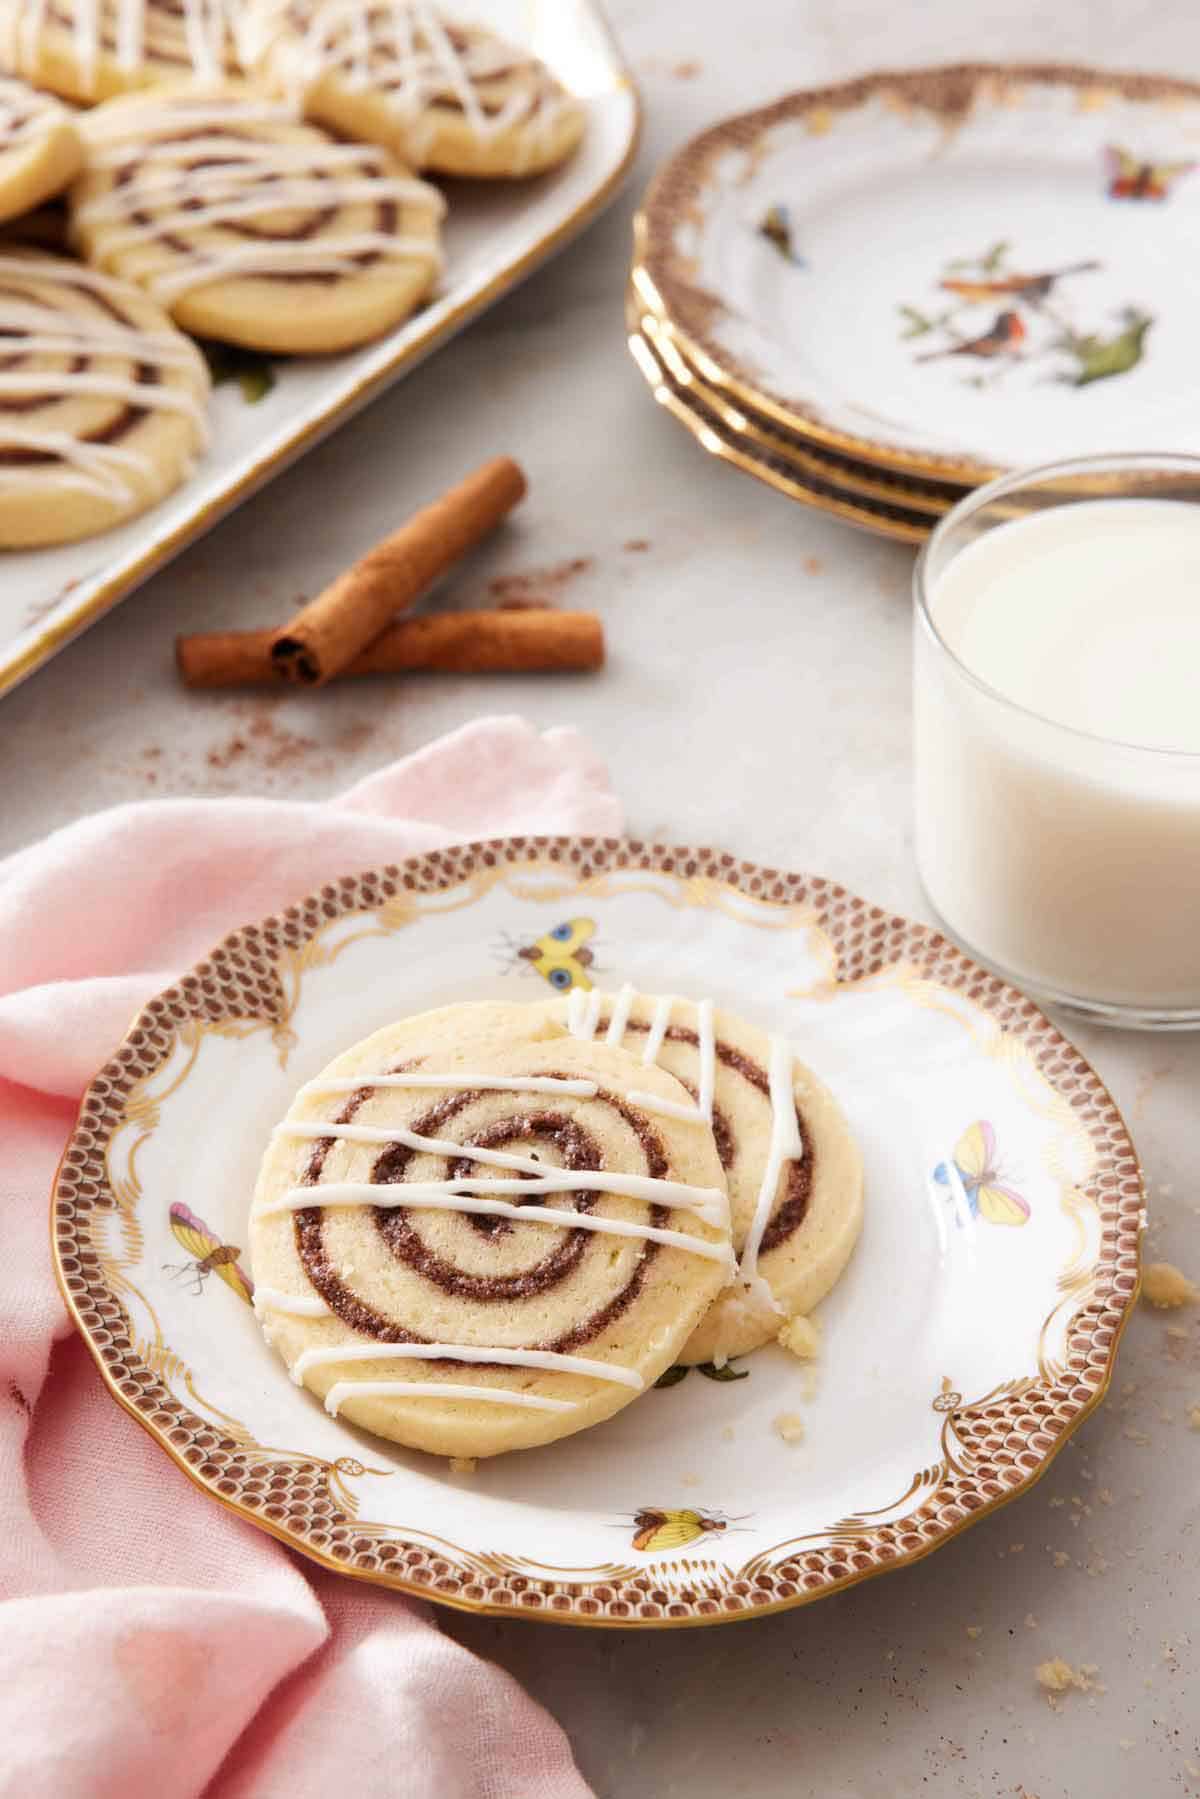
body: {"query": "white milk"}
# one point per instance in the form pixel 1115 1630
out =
pixel 1071 860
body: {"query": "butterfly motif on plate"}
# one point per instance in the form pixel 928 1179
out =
pixel 561 956
pixel 972 1172
pixel 657 1529
pixel 207 1255
pixel 1129 178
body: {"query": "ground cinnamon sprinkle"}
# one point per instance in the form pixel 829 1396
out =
pixel 636 544
pixel 537 588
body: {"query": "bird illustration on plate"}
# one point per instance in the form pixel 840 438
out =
pixel 207 1255
pixel 1129 178
pixel 972 1174
pixel 1035 325
pixel 1097 358
pixel 1003 338
pixel 657 1529
pixel 1032 290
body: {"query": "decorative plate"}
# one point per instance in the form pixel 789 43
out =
pixel 1000 1179
pixel 766 436
pixel 952 270
pixel 495 234
pixel 716 431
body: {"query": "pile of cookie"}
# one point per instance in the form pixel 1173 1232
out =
pixel 244 170
pixel 494 1224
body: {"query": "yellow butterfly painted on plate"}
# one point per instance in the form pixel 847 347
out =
pixel 655 1529
pixel 208 1255
pixel 973 1169
pixel 561 956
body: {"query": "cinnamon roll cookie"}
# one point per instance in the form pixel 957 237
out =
pixel 448 97
pixel 250 226
pixel 794 1171
pixel 102 401
pixel 40 149
pixel 471 1248
pixel 88 50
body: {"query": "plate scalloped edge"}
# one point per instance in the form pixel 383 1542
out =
pixel 948 91
pixel 994 1447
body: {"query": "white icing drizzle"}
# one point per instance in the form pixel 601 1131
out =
pixel 343 1390
pixel 786 1145
pixel 658 1028
pixel 406 53
pixel 250 181
pixel 204 27
pixel 583 1013
pixel 485 1083
pixel 451 1196
pixel 106 387
pixel 620 1016
pixel 297 1305
pixel 629 1186
pixel 36 327
pixel 464 1352
pixel 25 114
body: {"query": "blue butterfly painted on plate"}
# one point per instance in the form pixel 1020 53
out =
pixel 974 1167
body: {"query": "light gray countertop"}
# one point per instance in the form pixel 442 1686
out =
pixel 757 696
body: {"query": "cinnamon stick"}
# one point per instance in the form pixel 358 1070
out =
pixel 326 635
pixel 455 642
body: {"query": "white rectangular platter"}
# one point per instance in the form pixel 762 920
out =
pixel 494 236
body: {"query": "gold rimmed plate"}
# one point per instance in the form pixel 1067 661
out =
pixel 765 436
pixel 713 432
pixel 495 234
pixel 944 271
pixel 1000 1177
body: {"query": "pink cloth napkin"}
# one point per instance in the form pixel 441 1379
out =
pixel 150 1642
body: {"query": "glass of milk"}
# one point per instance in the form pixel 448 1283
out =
pixel 1057 733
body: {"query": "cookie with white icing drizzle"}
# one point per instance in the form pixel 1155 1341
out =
pixel 102 400
pixel 471 1248
pixel 250 226
pixel 40 151
pixel 793 1168
pixel 448 97
pixel 89 50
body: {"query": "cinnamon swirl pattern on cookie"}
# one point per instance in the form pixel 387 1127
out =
pixel 443 96
pixel 251 227
pixel 40 150
pixel 794 1171
pixel 477 1249
pixel 88 50
pixel 102 401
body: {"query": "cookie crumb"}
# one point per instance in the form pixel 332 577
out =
pixel 801 1337
pixel 1061 1558
pixel 1058 1676
pixel 1167 1288
pixel 689 1480
pixel 636 546
pixel 687 70
pixel 789 1426
pixel 1031 1622
pixel 463 1464
pixel 974 1631
pixel 1194 1418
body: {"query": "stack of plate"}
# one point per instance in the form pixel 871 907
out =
pixel 877 295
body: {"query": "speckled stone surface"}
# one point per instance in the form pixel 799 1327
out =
pixel 757 697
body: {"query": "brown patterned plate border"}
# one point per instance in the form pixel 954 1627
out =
pixel 993 1448
pixel 664 281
